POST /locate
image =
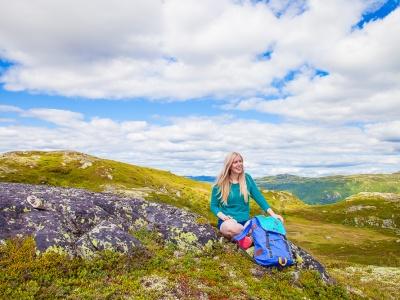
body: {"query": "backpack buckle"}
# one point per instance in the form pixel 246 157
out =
pixel 282 261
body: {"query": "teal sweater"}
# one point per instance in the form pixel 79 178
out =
pixel 236 207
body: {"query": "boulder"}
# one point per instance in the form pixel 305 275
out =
pixel 305 260
pixel 106 236
pixel 82 222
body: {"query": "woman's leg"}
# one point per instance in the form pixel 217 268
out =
pixel 230 228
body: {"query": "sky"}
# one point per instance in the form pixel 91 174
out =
pixel 310 88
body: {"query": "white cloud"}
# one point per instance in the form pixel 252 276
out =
pixel 332 98
pixel 182 50
pixel 364 67
pixel 198 145
pixel 7 120
pixel 385 131
pixel 9 108
pixel 56 116
pixel 123 50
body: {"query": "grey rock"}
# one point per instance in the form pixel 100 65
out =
pixel 303 260
pixel 82 222
pixel 106 236
pixel 306 261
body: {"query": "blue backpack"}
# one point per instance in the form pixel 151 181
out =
pixel 271 248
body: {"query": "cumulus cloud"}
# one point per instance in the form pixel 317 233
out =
pixel 178 50
pixel 385 131
pixel 198 145
pixel 6 120
pixel 10 108
pixel 56 116
pixel 149 49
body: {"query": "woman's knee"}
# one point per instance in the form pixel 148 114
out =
pixel 230 228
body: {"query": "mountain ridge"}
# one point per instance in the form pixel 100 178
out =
pixel 330 189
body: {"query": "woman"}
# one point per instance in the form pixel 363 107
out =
pixel 230 198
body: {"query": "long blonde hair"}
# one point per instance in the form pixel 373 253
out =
pixel 223 180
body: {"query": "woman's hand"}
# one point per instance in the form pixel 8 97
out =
pixel 279 217
pixel 274 215
pixel 223 217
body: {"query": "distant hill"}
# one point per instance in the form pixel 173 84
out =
pixel 366 209
pixel 331 189
pixel 210 179
pixel 283 201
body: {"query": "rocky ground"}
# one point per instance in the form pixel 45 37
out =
pixel 82 222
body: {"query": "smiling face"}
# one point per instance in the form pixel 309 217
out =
pixel 237 165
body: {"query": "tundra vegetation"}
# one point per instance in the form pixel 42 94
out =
pixel 357 239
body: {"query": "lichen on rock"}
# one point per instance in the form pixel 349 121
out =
pixel 83 222
pixel 106 236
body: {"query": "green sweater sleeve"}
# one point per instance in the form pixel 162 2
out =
pixel 215 201
pixel 256 194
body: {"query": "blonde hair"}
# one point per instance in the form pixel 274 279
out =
pixel 223 180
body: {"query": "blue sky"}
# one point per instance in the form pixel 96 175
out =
pixel 124 110
pixel 303 87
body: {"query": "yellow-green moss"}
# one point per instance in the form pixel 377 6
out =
pixel 140 222
pixel 56 249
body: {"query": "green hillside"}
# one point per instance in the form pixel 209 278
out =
pixel 362 229
pixel 357 239
pixel 74 169
pixel 371 210
pixel 330 189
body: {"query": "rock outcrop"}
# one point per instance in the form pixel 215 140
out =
pixel 82 222
pixel 306 261
pixel 390 197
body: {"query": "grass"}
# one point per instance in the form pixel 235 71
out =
pixel 333 243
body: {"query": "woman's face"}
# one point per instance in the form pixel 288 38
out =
pixel 237 166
